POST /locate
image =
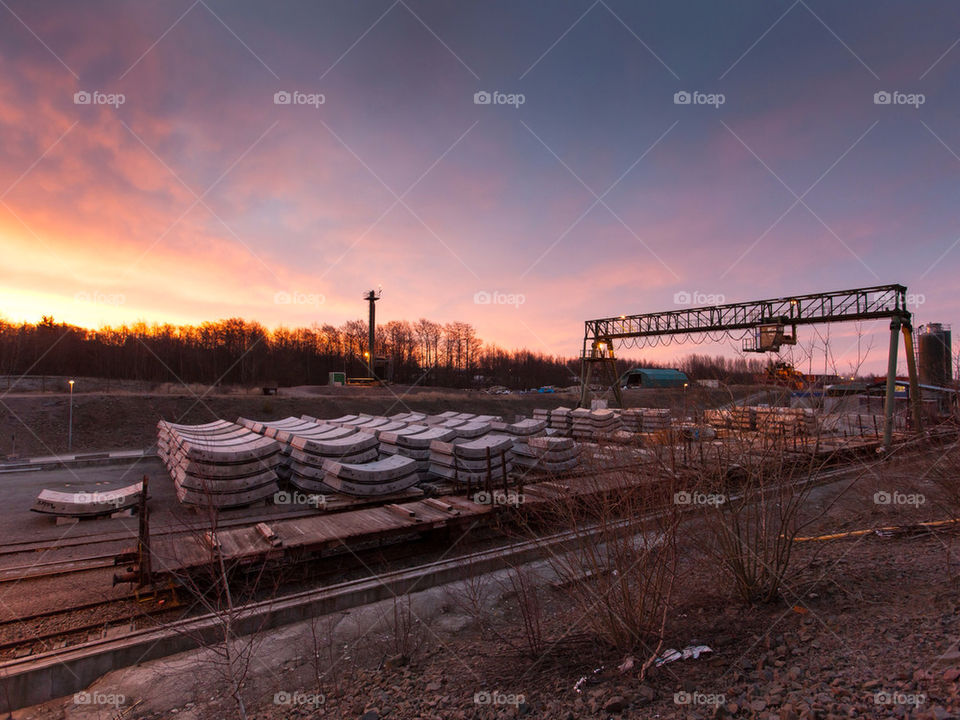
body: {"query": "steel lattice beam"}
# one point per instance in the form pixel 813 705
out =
pixel 882 301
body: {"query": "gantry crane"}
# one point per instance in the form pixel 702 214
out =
pixel 767 325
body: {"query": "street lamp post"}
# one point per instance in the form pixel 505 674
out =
pixel 70 421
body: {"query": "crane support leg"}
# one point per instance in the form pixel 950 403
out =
pixel 586 370
pixel 891 382
pixel 912 371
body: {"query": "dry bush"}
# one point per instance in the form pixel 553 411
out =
pixel 325 658
pixel 523 585
pixel 754 500
pixel 620 560
pixel 408 635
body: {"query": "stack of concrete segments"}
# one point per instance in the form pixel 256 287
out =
pixel 340 420
pixel 413 442
pixel 472 461
pixel 541 414
pixel 561 420
pixel 469 430
pixel 381 477
pixel 284 431
pixel 309 453
pixel 450 423
pixel 656 419
pixel 718 418
pixel 592 425
pixel 787 421
pixel 743 418
pixel 408 417
pixel 219 464
pixel 370 424
pixel 547 454
pixel 440 419
pixel 391 426
pixel 631 419
pixel 523 428
pixel 271 427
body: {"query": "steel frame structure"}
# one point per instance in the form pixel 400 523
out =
pixel 870 303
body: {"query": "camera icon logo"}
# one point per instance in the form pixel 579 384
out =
pixel 882 98
pixel 682 498
pixel 482 98
pixel 681 98
pixel 682 298
pixel 682 698
pixel 282 698
pixel 282 97
pixel 282 498
pixel 482 297
pixel 81 698
pixel 81 98
pixel 282 298
pixel 882 497
pixel 482 498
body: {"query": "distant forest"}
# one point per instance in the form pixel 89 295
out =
pixel 238 352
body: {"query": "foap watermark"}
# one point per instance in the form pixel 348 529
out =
pixel 99 498
pixel 299 298
pixel 497 697
pixel 695 297
pixel 698 698
pixel 883 497
pixel 95 97
pixel 684 97
pixel 296 497
pixel 94 697
pixel 100 298
pixel 296 97
pixel 895 697
pixel 498 497
pixel 483 97
pixel 686 497
pixel 483 297
pixel 298 698
pixel 895 97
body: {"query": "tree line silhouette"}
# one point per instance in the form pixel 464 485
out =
pixel 239 352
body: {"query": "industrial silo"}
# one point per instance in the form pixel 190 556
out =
pixel 935 356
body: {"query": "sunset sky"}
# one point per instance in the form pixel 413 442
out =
pixel 201 197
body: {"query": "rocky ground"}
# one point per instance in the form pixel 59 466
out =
pixel 868 628
pixel 866 642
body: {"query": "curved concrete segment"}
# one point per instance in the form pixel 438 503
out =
pixel 377 472
pixel 303 462
pixel 92 503
pixel 420 440
pixel 227 500
pixel 527 426
pixel 470 430
pixel 335 447
pixel 348 487
pixel 551 443
pixel 478 448
pixel 463 476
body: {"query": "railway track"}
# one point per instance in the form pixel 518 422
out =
pixel 27 680
pixel 42 632
pixel 37 635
